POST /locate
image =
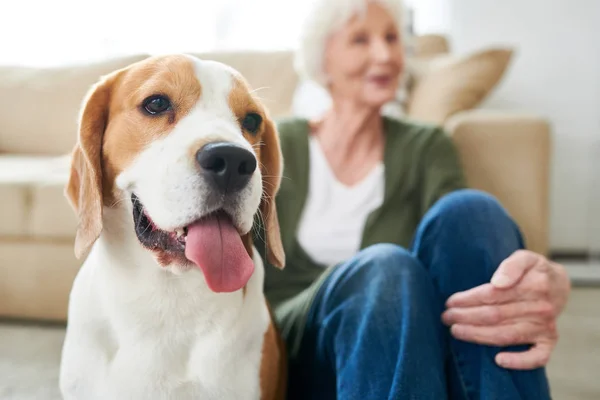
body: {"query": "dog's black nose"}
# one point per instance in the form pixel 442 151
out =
pixel 228 165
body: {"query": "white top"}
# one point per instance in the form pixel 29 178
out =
pixel 331 227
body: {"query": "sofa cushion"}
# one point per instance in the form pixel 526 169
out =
pixel 36 277
pixel 39 107
pixel 445 85
pixel 33 204
pixel 429 45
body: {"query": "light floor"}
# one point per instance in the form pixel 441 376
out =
pixel 29 355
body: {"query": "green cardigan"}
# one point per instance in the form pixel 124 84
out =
pixel 421 165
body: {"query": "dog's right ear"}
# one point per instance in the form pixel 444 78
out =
pixel 84 187
pixel 272 168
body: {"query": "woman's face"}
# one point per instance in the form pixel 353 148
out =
pixel 364 59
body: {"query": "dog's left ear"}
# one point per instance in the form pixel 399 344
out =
pixel 84 187
pixel 271 161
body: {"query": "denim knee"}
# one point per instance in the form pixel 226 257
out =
pixel 385 272
pixel 463 238
pixel 471 214
pixel 467 203
pixel 384 254
pixel 386 261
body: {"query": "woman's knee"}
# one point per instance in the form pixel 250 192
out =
pixel 380 270
pixel 471 213
pixel 463 239
pixel 385 260
pixel 465 203
pixel 386 254
pixel 383 281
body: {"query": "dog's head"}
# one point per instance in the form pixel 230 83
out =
pixel 184 145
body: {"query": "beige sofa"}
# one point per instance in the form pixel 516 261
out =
pixel 504 154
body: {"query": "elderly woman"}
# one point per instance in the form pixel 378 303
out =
pixel 400 281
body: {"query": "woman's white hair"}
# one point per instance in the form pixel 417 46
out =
pixel 326 17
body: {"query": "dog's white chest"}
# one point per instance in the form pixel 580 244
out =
pixel 173 341
pixel 202 370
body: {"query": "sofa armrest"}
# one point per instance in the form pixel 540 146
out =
pixel 508 156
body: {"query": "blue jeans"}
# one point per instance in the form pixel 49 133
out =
pixel 374 330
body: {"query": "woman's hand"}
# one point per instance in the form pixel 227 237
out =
pixel 519 306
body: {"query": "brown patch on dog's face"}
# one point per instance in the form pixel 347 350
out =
pixel 244 106
pixel 131 126
pixel 259 130
pixel 113 128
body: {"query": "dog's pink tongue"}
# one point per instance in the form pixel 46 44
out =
pixel 215 246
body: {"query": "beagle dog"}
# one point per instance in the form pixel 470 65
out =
pixel 175 158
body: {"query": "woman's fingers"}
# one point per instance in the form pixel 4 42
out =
pixel 486 294
pixel 536 285
pixel 519 307
pixel 536 357
pixel 499 314
pixel 503 335
pixel 511 270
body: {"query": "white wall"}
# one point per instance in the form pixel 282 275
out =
pixel 430 15
pixel 556 73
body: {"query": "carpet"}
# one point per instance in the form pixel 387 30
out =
pixel 30 355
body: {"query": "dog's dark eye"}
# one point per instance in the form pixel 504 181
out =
pixel 252 122
pixel 156 104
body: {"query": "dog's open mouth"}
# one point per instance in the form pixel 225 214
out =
pixel 153 238
pixel 212 243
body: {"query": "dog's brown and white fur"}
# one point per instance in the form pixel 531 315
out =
pixel 143 323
